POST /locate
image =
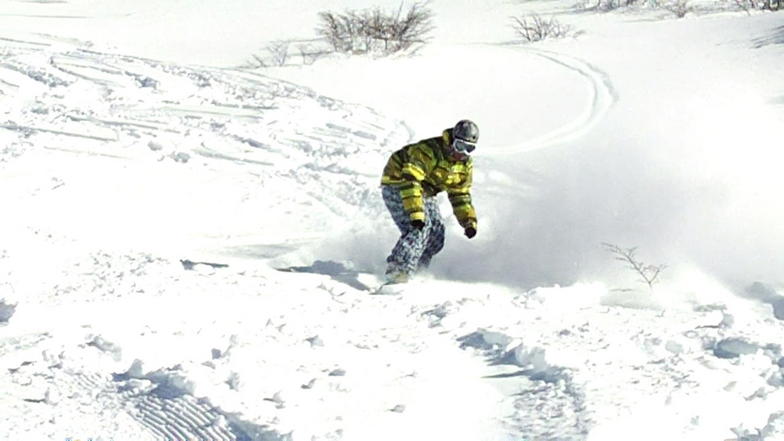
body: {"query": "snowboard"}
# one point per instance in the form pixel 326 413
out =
pixel 362 280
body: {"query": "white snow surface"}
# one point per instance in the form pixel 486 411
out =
pixel 188 244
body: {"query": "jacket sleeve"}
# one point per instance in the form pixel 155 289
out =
pixel 418 164
pixel 460 198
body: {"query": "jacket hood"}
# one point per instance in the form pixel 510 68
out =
pixel 447 137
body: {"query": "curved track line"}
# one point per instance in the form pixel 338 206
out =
pixel 604 96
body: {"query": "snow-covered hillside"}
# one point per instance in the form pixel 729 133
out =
pixel 188 246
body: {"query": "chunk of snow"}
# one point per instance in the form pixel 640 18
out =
pixel 6 311
pixel 733 348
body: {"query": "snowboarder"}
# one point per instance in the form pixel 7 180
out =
pixel 412 178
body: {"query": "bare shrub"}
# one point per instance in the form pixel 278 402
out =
pixel 406 30
pixel 256 61
pixel 612 5
pixel 679 7
pixel 767 5
pixel 533 28
pixel 279 52
pixel 309 54
pixel 338 30
pixel 649 274
pixel 609 5
pixel 376 30
pixel 747 5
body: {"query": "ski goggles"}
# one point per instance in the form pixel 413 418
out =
pixel 462 146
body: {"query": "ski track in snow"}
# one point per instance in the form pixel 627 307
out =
pixel 603 97
pixel 45 76
pixel 78 101
pixel 327 346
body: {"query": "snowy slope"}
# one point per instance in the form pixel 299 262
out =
pixel 178 151
pixel 151 187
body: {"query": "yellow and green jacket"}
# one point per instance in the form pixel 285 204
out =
pixel 425 169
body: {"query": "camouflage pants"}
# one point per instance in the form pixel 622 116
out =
pixel 415 248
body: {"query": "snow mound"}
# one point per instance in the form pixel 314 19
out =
pixel 491 343
pixel 534 362
pixel 774 430
pixel 733 348
pixel 501 349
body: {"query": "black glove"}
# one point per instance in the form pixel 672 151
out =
pixel 470 232
pixel 418 224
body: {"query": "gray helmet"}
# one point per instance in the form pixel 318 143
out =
pixel 466 130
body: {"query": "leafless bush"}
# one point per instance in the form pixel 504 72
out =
pixel 649 274
pixel 309 53
pixel 279 52
pixel 338 30
pixel 533 28
pixel 405 30
pixel 256 61
pixel 749 5
pixel 609 5
pixel 376 30
pixel 679 7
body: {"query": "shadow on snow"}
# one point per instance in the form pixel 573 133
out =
pixel 335 270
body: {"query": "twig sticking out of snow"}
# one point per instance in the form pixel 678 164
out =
pixel 649 274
